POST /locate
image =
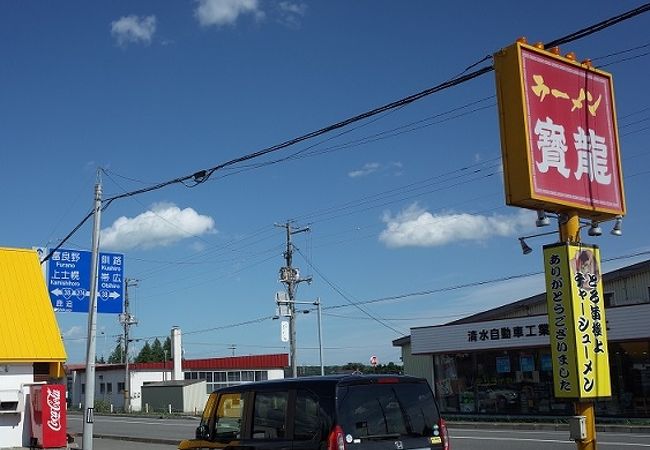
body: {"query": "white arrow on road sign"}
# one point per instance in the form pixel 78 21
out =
pixel 114 295
pixel 57 292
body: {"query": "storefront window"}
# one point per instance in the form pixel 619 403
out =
pixel 455 382
pixel 630 376
pixel 498 382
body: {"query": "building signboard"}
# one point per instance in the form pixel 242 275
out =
pixel 559 136
pixel 624 323
pixel 577 324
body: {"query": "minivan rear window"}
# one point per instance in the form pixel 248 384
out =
pixel 387 410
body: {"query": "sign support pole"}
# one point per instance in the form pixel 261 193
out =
pixel 89 397
pixel 320 337
pixel 586 408
pixel 570 232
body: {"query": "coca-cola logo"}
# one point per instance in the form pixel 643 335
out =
pixel 54 404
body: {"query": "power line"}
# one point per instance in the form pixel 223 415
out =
pixel 599 26
pixel 468 285
pixel 201 176
pixel 343 295
pixel 406 128
pixel 621 52
pixel 382 299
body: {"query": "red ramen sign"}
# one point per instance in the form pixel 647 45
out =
pixel 558 133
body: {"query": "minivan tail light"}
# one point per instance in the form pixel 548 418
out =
pixel 336 440
pixel 444 434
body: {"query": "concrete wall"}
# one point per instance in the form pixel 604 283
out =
pixel 15 428
pixel 189 398
pixel 194 398
pixel 158 398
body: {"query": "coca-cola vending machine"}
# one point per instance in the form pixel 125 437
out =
pixel 48 410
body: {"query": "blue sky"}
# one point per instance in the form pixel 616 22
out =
pixel 409 201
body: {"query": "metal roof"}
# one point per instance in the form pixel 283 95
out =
pixel 29 331
pixel 272 361
pixel 500 311
pixel 250 362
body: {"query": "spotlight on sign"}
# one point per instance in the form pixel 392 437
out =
pixel 617 231
pixel 542 219
pixel 525 248
pixel 594 229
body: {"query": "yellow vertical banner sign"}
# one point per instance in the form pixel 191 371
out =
pixel 576 310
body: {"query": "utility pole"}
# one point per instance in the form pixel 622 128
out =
pixel 291 277
pixel 127 319
pixel 91 348
pixel 233 347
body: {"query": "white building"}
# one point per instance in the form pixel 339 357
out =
pixel 499 361
pixel 217 372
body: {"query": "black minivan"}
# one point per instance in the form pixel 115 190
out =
pixel 337 412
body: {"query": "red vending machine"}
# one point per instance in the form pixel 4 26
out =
pixel 48 410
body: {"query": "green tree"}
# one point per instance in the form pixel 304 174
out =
pixel 145 354
pixel 117 355
pixel 352 367
pixel 157 353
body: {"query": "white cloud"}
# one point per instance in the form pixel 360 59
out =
pixel 367 169
pixel 293 8
pixel 291 13
pixel 162 225
pixel 74 332
pixel 225 12
pixel 415 227
pixel 133 30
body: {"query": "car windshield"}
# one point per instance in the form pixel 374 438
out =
pixel 387 410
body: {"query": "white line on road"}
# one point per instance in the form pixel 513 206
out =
pixel 553 441
pixel 510 432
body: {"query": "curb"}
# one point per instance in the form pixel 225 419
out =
pixel 611 428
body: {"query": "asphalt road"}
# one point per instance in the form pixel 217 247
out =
pixel 158 430
pixel 171 431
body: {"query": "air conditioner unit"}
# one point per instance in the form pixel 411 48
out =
pixel 11 401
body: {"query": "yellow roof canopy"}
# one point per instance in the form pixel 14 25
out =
pixel 29 331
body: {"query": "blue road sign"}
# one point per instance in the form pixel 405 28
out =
pixel 68 281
